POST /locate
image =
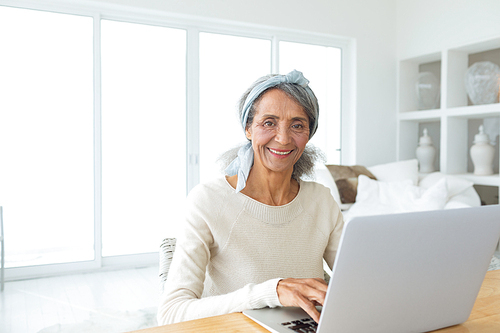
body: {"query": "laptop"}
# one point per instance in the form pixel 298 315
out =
pixel 411 272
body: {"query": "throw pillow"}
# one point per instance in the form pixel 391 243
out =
pixel 396 171
pixel 324 177
pixel 455 185
pixel 346 179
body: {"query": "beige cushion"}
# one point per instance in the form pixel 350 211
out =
pixel 346 179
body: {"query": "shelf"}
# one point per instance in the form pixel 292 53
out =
pixel 455 121
pixel 424 115
pixel 475 111
pixel 493 180
pixel 469 112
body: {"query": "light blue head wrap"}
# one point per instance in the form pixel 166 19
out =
pixel 242 164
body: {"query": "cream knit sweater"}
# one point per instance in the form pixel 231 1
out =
pixel 234 250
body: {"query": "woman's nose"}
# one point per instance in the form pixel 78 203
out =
pixel 282 136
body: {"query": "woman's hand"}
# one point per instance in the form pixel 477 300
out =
pixel 304 293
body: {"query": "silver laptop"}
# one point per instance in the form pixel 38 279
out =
pixel 412 272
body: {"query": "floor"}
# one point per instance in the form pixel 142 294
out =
pixel 495 261
pixel 111 301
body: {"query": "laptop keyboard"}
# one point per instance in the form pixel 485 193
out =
pixel 305 325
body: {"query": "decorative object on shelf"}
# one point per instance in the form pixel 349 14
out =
pixel 426 153
pixel 482 81
pixel 482 153
pixel 427 91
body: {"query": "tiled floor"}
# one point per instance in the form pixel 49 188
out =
pixel 111 301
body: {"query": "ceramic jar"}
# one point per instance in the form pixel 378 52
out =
pixel 426 153
pixel 482 154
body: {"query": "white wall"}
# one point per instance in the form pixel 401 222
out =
pixel 371 22
pixel 428 26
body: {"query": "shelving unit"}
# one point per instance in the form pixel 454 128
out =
pixel 453 125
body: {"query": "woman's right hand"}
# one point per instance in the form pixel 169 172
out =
pixel 304 293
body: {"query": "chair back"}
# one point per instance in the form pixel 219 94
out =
pixel 167 249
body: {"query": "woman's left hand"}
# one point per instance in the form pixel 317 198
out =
pixel 304 293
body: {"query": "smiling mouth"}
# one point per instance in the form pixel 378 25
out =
pixel 277 152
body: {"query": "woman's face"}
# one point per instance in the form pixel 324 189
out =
pixel 279 131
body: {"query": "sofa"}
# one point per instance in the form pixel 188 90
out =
pixel 394 188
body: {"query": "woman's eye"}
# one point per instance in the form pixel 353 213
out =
pixel 268 123
pixel 298 126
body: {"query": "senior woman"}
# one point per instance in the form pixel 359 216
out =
pixel 257 237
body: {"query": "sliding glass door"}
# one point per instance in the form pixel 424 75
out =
pixel 46 136
pixel 143 135
pixel 322 66
pixel 228 65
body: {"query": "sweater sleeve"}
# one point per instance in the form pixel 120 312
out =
pixel 337 225
pixel 182 297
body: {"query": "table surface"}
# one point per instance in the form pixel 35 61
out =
pixel 485 316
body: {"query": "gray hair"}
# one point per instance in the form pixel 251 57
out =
pixel 304 167
pixel 308 102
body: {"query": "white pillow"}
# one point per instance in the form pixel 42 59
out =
pixel 376 197
pixel 396 171
pixel 455 184
pixel 467 198
pixel 325 178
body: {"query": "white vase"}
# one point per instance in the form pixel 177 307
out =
pixel 482 82
pixel 427 91
pixel 426 153
pixel 482 154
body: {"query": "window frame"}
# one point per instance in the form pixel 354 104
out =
pixel 193 27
